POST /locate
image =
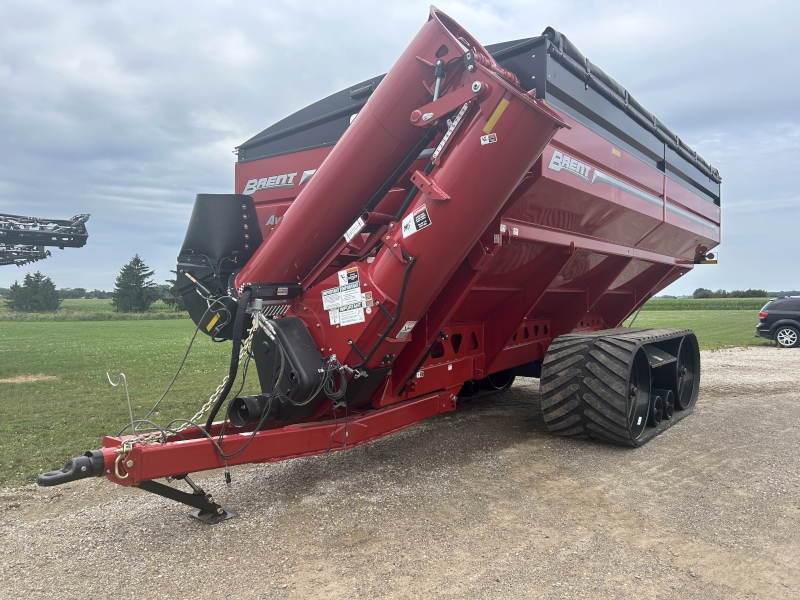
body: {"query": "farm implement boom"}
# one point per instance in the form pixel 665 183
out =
pixel 23 239
pixel 474 215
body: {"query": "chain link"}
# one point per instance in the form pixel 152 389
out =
pixel 156 436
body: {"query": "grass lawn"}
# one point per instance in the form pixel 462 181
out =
pixel 44 422
pixel 88 309
pixel 715 329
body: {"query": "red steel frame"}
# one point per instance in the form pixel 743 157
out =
pixel 545 253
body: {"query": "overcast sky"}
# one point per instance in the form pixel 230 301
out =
pixel 126 110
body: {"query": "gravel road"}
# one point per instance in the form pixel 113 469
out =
pixel 480 503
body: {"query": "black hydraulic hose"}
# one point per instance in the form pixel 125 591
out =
pixel 401 168
pixel 399 310
pixel 238 326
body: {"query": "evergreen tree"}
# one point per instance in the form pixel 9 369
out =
pixel 173 297
pixel 36 294
pixel 134 289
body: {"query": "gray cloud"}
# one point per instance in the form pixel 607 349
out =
pixel 126 110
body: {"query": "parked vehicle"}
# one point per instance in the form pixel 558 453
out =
pixel 779 320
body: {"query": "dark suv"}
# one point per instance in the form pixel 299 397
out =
pixel 780 321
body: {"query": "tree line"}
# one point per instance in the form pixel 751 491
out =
pixel 751 293
pixel 134 291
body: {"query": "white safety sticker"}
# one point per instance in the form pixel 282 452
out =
pixel 334 315
pixel 350 293
pixel 348 276
pixel 367 299
pixel 354 230
pixel 488 139
pixel 351 314
pixel 418 219
pixel 403 333
pixel 331 298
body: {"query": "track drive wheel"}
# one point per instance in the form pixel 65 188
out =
pixel 597 388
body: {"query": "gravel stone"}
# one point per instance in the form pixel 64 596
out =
pixel 480 503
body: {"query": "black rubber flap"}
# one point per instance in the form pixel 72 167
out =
pixel 223 226
pixel 222 236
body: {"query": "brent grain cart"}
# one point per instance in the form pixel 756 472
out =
pixel 474 215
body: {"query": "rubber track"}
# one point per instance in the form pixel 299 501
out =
pixel 585 380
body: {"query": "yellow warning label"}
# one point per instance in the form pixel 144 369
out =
pixel 498 112
pixel 212 322
pixel 615 152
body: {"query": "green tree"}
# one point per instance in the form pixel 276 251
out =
pixel 134 289
pixel 173 297
pixel 702 293
pixel 36 294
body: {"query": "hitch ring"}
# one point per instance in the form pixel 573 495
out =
pixel 116 468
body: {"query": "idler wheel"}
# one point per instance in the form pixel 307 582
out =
pixel 687 373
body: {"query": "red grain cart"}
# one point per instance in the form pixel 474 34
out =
pixel 474 215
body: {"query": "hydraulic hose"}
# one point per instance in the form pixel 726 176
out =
pixel 412 156
pixel 411 261
pixel 233 370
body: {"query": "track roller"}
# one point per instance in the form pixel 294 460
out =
pixel 668 400
pixel 656 411
pixel 600 385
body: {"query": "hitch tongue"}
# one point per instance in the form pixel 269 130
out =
pixel 90 464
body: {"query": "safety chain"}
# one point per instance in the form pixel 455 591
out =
pixel 156 436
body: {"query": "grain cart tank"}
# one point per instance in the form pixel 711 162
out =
pixel 473 215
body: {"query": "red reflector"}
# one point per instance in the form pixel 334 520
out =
pixel 763 314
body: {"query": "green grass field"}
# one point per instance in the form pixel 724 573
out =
pixel 92 310
pixel 66 405
pixel 44 422
pixel 704 304
pixel 715 329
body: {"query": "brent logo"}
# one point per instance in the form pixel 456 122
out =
pixel 268 183
pixel 562 162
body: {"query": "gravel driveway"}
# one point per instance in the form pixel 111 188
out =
pixel 481 503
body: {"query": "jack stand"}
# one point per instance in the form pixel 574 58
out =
pixel 208 511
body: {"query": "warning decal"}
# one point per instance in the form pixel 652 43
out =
pixel 418 219
pixel 350 293
pixel 348 276
pixel 354 230
pixel 331 298
pixel 403 333
pixel 488 139
pixel 351 314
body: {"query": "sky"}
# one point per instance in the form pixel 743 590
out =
pixel 126 110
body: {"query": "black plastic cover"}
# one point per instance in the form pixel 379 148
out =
pixel 301 381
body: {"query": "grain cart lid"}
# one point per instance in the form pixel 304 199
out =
pixel 570 82
pixel 561 75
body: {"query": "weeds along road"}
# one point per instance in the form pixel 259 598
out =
pixel 481 503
